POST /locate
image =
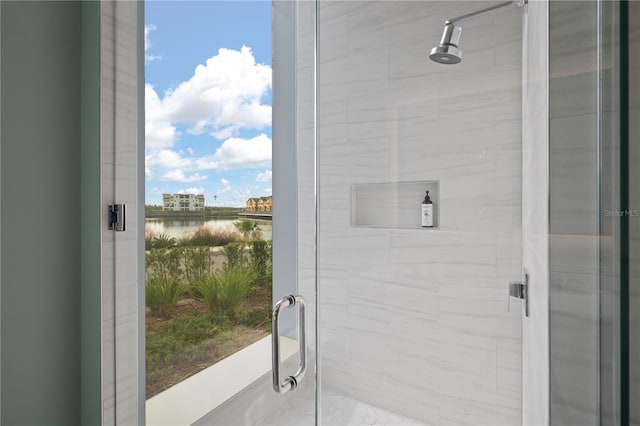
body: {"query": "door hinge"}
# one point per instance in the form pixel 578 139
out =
pixel 117 217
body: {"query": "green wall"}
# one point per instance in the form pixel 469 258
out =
pixel 49 214
pixel 90 215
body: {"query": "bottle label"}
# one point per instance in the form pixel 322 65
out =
pixel 427 215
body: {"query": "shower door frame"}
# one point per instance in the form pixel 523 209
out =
pixel 123 391
pixel 122 181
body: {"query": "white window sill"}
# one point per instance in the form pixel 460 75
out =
pixel 191 399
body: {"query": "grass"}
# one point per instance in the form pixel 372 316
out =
pixel 234 254
pixel 198 312
pixel 260 257
pixel 162 241
pixel 195 338
pixel 204 236
pixel 224 290
pixel 162 295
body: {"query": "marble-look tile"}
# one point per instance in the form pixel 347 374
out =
pixel 574 175
pixel 509 367
pixel 419 401
pixel 577 254
pixel 572 58
pixel 377 23
pixel 574 347
pixel 339 409
pixel 470 404
pixel 334 36
pixel 573 93
pixel 408 318
pixel 479 318
pixel 509 250
pixel 574 219
pixel 352 76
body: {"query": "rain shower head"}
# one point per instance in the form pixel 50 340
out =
pixel 447 51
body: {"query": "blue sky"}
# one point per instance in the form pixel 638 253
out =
pixel 208 99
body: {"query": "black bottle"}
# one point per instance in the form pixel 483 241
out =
pixel 427 212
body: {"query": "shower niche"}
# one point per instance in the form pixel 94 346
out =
pixel 393 204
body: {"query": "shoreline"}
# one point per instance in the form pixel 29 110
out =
pixel 207 215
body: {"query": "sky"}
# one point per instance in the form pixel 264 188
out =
pixel 208 100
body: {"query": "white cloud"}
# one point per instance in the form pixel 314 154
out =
pixel 159 132
pixel 269 191
pixel 239 153
pixel 264 176
pixel 223 95
pixel 226 185
pixel 147 44
pixel 195 191
pixel 179 176
pixel 167 159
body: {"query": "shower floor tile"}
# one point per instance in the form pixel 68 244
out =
pixel 340 410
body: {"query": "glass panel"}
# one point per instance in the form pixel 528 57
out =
pixel 414 324
pixel 211 279
pixel 609 137
pixel 574 214
pixel 633 73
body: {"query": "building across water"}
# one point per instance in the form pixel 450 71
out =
pixel 260 204
pixel 183 202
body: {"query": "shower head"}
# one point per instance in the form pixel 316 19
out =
pixel 447 51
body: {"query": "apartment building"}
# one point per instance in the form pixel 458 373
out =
pixel 183 202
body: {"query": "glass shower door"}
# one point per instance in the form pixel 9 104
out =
pixel 270 379
pixel 414 326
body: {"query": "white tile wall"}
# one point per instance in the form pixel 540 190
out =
pixel 416 321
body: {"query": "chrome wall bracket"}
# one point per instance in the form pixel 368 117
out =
pixel 517 3
pixel 291 382
pixel 520 290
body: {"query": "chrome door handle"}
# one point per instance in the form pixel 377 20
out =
pixel 291 382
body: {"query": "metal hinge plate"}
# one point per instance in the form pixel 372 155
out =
pixel 117 217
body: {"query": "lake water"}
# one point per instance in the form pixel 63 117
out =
pixel 186 227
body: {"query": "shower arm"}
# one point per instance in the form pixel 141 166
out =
pixel 518 3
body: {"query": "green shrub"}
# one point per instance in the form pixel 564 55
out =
pixel 245 227
pixel 206 237
pixel 184 241
pixel 197 262
pixel 234 255
pixel 260 316
pixel 163 241
pixel 194 329
pixel 148 242
pixel 224 290
pixel 260 257
pixel 162 295
pixel 164 263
